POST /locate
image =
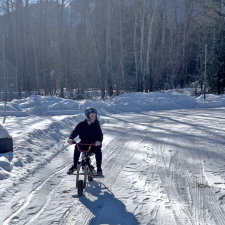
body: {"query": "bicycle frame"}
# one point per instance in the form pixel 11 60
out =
pixel 84 164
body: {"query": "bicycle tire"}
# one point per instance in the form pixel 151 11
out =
pixel 85 175
pixel 78 174
pixel 80 188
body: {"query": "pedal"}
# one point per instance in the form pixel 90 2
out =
pixel 92 168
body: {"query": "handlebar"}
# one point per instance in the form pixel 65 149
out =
pixel 78 147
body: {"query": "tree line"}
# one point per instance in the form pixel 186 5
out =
pixel 122 45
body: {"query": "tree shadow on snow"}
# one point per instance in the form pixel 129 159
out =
pixel 105 207
pixel 4 119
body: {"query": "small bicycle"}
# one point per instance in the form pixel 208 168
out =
pixel 87 168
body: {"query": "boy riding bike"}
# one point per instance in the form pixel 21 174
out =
pixel 89 131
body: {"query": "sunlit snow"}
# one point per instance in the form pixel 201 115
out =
pixel 163 161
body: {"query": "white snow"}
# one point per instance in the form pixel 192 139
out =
pixel 3 132
pixel 163 161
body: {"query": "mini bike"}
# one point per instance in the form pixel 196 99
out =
pixel 84 168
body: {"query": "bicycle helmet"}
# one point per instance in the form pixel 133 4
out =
pixel 88 111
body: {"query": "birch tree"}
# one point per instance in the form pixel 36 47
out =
pixel 149 48
pixel 100 76
pixel 108 51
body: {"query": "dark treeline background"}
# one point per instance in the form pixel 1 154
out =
pixel 122 45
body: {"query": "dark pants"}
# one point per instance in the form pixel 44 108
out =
pixel 94 149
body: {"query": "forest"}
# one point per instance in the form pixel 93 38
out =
pixel 113 45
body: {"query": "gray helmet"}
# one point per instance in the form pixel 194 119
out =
pixel 88 111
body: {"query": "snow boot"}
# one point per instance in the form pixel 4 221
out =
pixel 99 172
pixel 71 170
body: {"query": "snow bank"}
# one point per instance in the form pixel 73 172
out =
pixel 3 174
pixel 5 164
pixel 128 102
pixel 211 101
pixel 137 102
pixel 3 132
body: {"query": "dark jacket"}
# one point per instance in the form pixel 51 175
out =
pixel 87 133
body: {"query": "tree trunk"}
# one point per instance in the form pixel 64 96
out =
pixel 36 68
pixel 60 17
pixel 142 45
pixel 108 51
pixel 163 52
pixel 83 46
pixel 135 49
pixel 149 46
pixel 42 25
pixel 122 81
pixel 183 84
pixel 96 52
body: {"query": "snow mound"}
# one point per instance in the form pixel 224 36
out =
pixel 3 174
pixel 127 102
pixel 211 101
pixel 17 163
pixel 137 102
pixel 3 132
pixel 5 164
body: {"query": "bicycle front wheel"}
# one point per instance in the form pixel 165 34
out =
pixel 85 175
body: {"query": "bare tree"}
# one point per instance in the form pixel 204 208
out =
pixel 121 47
pixel 149 47
pixel 96 52
pixel 142 45
pixel 138 88
pixel 60 18
pixel 108 51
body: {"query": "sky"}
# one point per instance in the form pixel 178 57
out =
pixel 163 160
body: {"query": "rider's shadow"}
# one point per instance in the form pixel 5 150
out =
pixel 106 208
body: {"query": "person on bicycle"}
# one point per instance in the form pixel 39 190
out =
pixel 89 132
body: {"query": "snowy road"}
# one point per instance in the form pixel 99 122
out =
pixel 165 167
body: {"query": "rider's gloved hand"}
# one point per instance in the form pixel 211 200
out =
pixel 70 141
pixel 97 143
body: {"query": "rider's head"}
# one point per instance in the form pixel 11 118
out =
pixel 90 114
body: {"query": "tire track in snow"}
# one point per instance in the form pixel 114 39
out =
pixel 193 201
pixel 119 162
pixel 155 210
pixel 203 196
pixel 170 180
pixel 30 197
pixel 46 202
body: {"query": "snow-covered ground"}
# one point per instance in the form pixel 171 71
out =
pixel 163 161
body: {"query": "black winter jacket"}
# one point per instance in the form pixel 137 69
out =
pixel 87 133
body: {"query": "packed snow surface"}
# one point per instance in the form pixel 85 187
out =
pixel 163 161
